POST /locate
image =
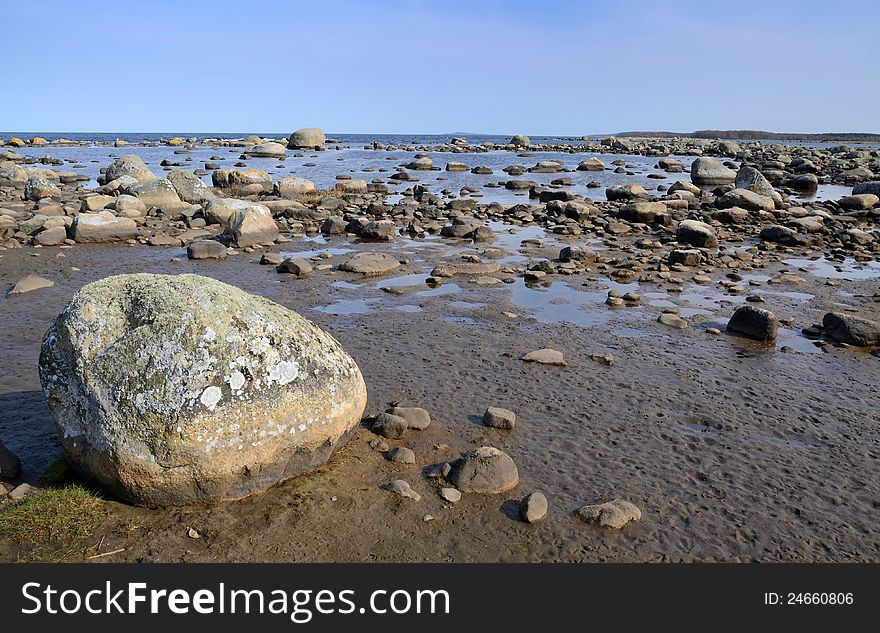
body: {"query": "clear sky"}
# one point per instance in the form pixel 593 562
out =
pixel 410 66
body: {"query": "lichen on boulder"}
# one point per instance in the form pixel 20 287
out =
pixel 177 389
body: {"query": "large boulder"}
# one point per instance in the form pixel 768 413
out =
pixel 156 193
pixel 266 150
pixel 174 389
pixel 220 210
pixel 520 140
pixel 128 165
pixel 12 175
pixel 250 226
pixel 102 227
pixel 189 187
pixel 38 187
pixel 243 181
pixel 753 180
pixel 708 171
pixel 306 138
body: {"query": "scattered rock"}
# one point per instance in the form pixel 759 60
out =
pixel 389 426
pixel 533 507
pixel 612 514
pixel 370 264
pixel 498 418
pixel 403 489
pixel 416 418
pixel 450 494
pixel 546 356
pixel 401 455
pixel 485 470
pixel 850 329
pixel 605 358
pixel 295 266
pixel 754 323
pixel 29 283
pixel 206 249
pixel 672 320
pixel 20 492
pixel 697 234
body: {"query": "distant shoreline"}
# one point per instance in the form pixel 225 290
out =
pixel 751 135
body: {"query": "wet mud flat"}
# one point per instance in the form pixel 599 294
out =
pixel 733 450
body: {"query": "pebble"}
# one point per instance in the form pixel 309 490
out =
pixel 389 426
pixel 545 356
pixel 401 455
pixel 533 507
pixel 605 358
pixel 20 492
pixel 379 445
pixel 450 494
pixel 498 418
pixel 402 488
pixel 415 417
pixel 193 533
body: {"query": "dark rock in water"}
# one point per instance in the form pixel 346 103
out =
pixel 867 187
pixel 485 470
pixel 389 426
pixel 754 323
pixel 803 182
pixel 206 249
pixel 10 465
pixel 217 394
pixel 846 328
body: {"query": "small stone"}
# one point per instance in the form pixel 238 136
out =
pixel 401 455
pixel 389 426
pixel 672 320
pixel 438 471
pixel 713 331
pixel 295 266
pixel 498 418
pixel 605 358
pixel 271 259
pixel 416 417
pixel 545 356
pixel 193 533
pixel 754 323
pixel 402 488
pixel 533 508
pixel 427 518
pixel 379 445
pixel 29 283
pixel 485 470
pixel 450 494
pixel 20 492
pixel 613 514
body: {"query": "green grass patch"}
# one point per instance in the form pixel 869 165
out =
pixel 55 514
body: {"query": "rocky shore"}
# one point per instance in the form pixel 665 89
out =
pixel 684 370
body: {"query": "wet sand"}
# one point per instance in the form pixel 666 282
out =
pixel 733 451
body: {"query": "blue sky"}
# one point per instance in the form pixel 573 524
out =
pixel 408 66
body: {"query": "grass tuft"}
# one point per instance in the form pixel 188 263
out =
pixel 54 514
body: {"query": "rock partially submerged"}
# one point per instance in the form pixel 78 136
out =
pixel 170 390
pixel 754 323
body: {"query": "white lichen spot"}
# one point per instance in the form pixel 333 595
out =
pixel 283 372
pixel 211 396
pixel 236 380
pixel 210 335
